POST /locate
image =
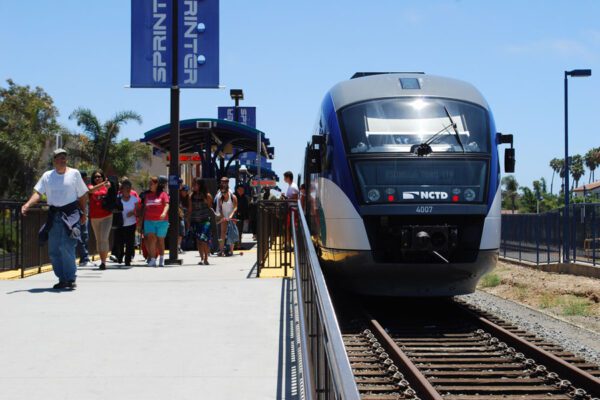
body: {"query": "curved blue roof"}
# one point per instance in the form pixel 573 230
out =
pixel 193 135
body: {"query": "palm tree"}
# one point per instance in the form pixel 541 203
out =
pixel 102 135
pixel 556 164
pixel 577 170
pixel 592 160
pixel 511 186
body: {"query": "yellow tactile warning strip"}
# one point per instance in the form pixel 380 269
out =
pixel 16 273
pixel 277 272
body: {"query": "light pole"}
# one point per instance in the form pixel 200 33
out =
pixel 236 95
pixel 576 73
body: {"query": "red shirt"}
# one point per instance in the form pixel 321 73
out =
pixel 96 210
pixel 155 205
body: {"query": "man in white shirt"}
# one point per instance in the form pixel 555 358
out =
pixel 66 194
pixel 292 190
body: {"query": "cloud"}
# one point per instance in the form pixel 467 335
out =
pixel 557 47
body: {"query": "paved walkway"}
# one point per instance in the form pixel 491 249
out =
pixel 185 332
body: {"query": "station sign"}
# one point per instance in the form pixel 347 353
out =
pixel 187 158
pixel 152 42
pixel 263 183
pixel 246 115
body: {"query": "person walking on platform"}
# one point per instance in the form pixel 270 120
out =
pixel 156 225
pixel 66 194
pixel 184 199
pixel 125 234
pixel 82 245
pixel 243 211
pixel 226 208
pixel 100 217
pixel 292 191
pixel 199 215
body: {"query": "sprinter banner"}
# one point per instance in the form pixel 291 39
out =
pixel 246 115
pixel 152 43
pixel 198 43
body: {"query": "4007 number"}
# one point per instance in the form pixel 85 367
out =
pixel 424 209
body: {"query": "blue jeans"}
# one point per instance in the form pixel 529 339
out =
pixel 82 246
pixel 61 249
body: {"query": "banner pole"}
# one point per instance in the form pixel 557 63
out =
pixel 174 144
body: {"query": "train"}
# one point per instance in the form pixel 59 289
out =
pixel 402 172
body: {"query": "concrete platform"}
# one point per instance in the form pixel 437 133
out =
pixel 180 332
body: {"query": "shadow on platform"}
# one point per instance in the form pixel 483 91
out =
pixel 40 290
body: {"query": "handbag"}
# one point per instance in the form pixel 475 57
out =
pixel 117 211
pixel 189 241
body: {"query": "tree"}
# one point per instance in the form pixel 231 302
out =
pixel 126 154
pixel 592 161
pixel 102 137
pixel 577 170
pixel 528 201
pixel 511 187
pixel 556 164
pixel 543 185
pixel 28 124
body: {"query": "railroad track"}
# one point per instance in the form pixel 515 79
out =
pixel 447 350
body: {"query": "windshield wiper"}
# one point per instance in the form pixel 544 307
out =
pixel 424 148
pixel 453 124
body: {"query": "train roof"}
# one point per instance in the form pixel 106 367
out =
pixel 368 86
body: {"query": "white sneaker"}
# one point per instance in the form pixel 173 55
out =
pixel 152 262
pixel 87 264
pixel 161 262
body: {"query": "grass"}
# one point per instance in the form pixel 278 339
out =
pixel 571 306
pixel 548 300
pixel 521 292
pixel 490 280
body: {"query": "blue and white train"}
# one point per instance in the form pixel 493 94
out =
pixel 403 193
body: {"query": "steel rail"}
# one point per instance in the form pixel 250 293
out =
pixel 416 378
pixel 577 376
pixel 342 375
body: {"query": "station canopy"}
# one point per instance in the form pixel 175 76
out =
pixel 193 135
pixel 219 136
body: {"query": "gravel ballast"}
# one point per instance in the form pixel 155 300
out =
pixel 582 342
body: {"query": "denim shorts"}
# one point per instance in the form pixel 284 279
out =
pixel 159 228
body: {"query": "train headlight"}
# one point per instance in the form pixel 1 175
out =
pixel 373 195
pixel 469 195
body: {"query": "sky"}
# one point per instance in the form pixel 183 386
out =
pixel 286 55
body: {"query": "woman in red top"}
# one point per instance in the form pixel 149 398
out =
pixel 156 209
pixel 100 218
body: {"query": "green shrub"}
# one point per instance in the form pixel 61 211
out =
pixel 490 280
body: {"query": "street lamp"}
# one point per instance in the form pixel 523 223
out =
pixel 236 95
pixel 576 73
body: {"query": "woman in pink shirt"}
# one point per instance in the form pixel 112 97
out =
pixel 100 218
pixel 155 211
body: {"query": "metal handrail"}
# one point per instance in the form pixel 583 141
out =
pixel 307 381
pixel 336 359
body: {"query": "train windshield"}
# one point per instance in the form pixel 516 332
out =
pixel 396 125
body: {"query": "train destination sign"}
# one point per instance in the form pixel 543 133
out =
pixel 152 43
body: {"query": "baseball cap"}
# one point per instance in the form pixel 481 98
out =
pixel 58 152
